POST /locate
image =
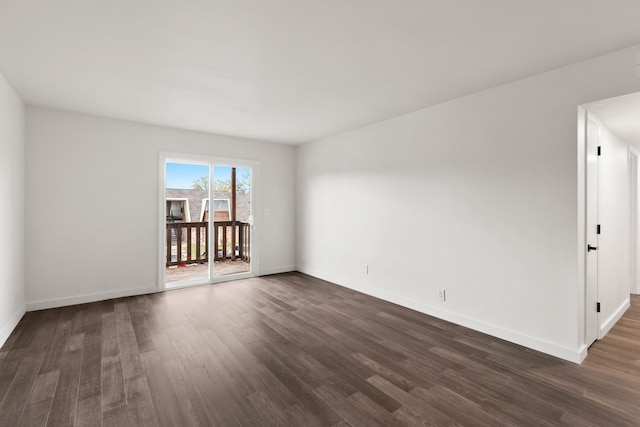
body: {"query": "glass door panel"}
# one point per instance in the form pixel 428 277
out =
pixel 232 220
pixel 186 227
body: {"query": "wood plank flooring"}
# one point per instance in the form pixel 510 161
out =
pixel 293 350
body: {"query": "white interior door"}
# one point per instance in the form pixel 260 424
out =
pixel 633 188
pixel 591 297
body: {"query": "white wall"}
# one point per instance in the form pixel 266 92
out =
pixel 12 202
pixel 614 240
pixel 478 196
pixel 92 200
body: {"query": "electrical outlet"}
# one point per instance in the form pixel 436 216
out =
pixel 442 295
pixel 365 269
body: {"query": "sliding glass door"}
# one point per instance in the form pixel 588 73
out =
pixel 232 220
pixel 207 228
pixel 186 230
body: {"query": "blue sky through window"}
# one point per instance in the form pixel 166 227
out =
pixel 182 175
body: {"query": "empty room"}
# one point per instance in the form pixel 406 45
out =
pixel 320 213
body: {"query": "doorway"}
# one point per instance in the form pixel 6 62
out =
pixel 206 231
pixel 608 255
pixel 634 212
pixel 592 148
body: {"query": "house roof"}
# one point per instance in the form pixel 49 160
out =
pixel 195 198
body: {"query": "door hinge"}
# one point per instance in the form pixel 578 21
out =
pixel 598 229
pixel 599 150
pixel 598 307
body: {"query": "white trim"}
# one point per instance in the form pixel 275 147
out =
pixel 211 220
pixel 161 219
pixel 634 219
pixel 611 321
pixel 572 355
pixel 256 206
pixel 214 280
pixel 11 324
pixel 186 284
pixel 82 299
pixel 217 279
pixel 582 226
pixel 582 352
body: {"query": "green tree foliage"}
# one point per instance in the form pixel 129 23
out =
pixel 243 182
pixel 222 185
pixel 201 183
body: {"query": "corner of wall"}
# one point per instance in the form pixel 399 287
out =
pixel 606 326
pixel 11 324
pixel 13 189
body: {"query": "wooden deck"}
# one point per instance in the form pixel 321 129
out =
pixel 176 274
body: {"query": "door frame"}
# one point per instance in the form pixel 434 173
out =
pixel 203 159
pixel 591 295
pixel 584 307
pixel 634 199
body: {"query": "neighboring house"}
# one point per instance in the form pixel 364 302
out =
pixel 193 205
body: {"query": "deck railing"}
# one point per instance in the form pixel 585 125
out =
pixel 188 242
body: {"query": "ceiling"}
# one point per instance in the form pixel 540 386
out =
pixel 288 70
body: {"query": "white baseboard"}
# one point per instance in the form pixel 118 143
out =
pixel 82 299
pixel 583 352
pixel 613 319
pixel 572 355
pixel 277 270
pixel 11 324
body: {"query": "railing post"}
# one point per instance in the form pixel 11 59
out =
pixel 216 238
pixel 240 240
pixel 224 241
pixel 206 240
pixel 189 256
pixel 198 237
pixel 179 244
pixel 169 232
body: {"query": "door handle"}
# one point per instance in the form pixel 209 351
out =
pixel 591 248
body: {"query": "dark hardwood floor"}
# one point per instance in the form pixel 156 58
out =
pixel 293 350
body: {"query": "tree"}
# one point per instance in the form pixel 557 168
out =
pixel 222 185
pixel 243 183
pixel 201 183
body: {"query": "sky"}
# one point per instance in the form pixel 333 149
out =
pixel 181 175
